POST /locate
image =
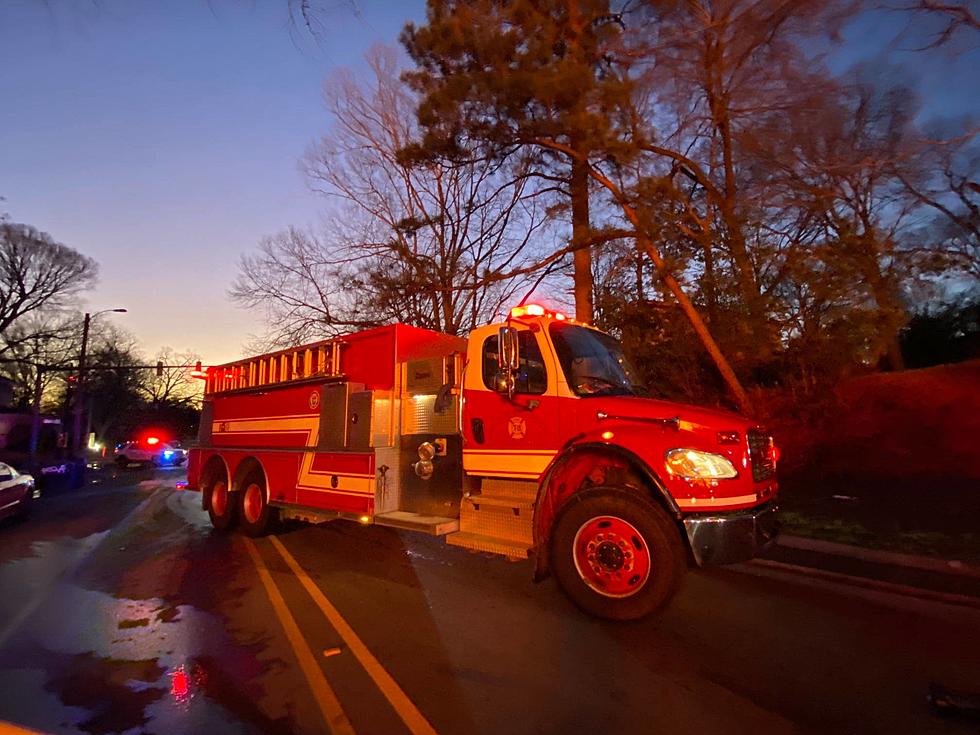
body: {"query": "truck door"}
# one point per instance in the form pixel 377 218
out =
pixel 510 437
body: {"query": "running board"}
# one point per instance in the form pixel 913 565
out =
pixel 515 550
pixel 432 525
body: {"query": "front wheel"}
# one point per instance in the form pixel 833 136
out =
pixel 616 554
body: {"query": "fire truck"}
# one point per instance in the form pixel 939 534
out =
pixel 531 438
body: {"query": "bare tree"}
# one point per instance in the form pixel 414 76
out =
pixel 954 16
pixel 951 190
pixel 425 244
pixel 36 274
pixel 175 386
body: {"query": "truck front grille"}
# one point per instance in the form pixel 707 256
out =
pixel 761 455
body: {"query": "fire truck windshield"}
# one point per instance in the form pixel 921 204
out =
pixel 593 362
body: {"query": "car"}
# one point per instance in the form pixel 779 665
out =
pixel 17 491
pixel 151 450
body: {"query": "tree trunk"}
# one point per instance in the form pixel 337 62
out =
pixel 889 311
pixel 715 66
pixel 581 231
pixel 708 282
pixel 727 374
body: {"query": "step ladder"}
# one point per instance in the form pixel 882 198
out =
pixel 498 519
pixel 432 525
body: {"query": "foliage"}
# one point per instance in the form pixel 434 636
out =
pixel 943 333
pixel 747 218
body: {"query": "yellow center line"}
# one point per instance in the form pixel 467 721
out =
pixel 324 695
pixel 414 720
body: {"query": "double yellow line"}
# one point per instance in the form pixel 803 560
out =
pixel 326 698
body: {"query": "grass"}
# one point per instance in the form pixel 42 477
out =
pixel 961 546
pixel 886 461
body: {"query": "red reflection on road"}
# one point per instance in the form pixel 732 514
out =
pixel 180 684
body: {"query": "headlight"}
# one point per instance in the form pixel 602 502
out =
pixel 695 465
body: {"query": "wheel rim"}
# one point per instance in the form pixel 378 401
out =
pixel 611 556
pixel 219 498
pixel 253 503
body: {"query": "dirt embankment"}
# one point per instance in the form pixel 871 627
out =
pixel 900 450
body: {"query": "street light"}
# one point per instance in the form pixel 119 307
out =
pixel 80 388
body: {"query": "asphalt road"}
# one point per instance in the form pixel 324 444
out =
pixel 122 611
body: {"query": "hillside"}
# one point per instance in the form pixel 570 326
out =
pixel 901 451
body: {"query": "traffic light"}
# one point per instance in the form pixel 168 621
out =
pixel 198 372
pixel 159 368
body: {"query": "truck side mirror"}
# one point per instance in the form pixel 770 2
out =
pixel 508 360
pixel 507 353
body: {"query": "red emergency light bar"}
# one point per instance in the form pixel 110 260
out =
pixel 535 310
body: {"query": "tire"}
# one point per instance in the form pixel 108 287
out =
pixel 255 514
pixel 222 508
pixel 27 504
pixel 616 554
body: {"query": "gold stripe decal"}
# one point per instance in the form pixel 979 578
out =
pixel 524 463
pixel 308 478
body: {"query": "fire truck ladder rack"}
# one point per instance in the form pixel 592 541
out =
pixel 317 360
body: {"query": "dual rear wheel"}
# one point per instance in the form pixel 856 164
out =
pixel 248 507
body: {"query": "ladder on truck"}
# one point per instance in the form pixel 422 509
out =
pixel 317 360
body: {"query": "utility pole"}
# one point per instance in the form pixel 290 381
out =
pixel 35 418
pixel 79 405
pixel 79 402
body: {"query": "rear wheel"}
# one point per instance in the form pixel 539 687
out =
pixel 257 516
pixel 616 554
pixel 221 507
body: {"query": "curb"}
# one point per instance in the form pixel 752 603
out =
pixel 912 561
pixel 866 583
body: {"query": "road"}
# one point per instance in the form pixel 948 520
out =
pixel 122 611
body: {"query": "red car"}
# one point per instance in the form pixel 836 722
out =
pixel 17 491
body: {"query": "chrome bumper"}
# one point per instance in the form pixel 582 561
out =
pixel 727 538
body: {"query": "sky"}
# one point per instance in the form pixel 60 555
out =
pixel 161 138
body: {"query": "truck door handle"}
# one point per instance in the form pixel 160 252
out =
pixel 477 425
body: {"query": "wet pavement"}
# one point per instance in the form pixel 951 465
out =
pixel 123 612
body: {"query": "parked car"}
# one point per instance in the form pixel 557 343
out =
pixel 17 491
pixel 151 450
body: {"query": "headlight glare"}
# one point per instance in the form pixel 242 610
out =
pixel 696 465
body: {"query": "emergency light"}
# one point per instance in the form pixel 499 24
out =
pixel 534 310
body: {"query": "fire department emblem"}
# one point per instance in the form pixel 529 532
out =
pixel 516 428
pixel 314 400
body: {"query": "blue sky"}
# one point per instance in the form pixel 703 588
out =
pixel 162 138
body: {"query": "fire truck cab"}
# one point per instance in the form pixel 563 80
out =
pixel 531 438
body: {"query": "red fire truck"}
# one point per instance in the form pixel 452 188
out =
pixel 531 438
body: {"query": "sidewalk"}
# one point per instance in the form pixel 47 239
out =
pixel 907 572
